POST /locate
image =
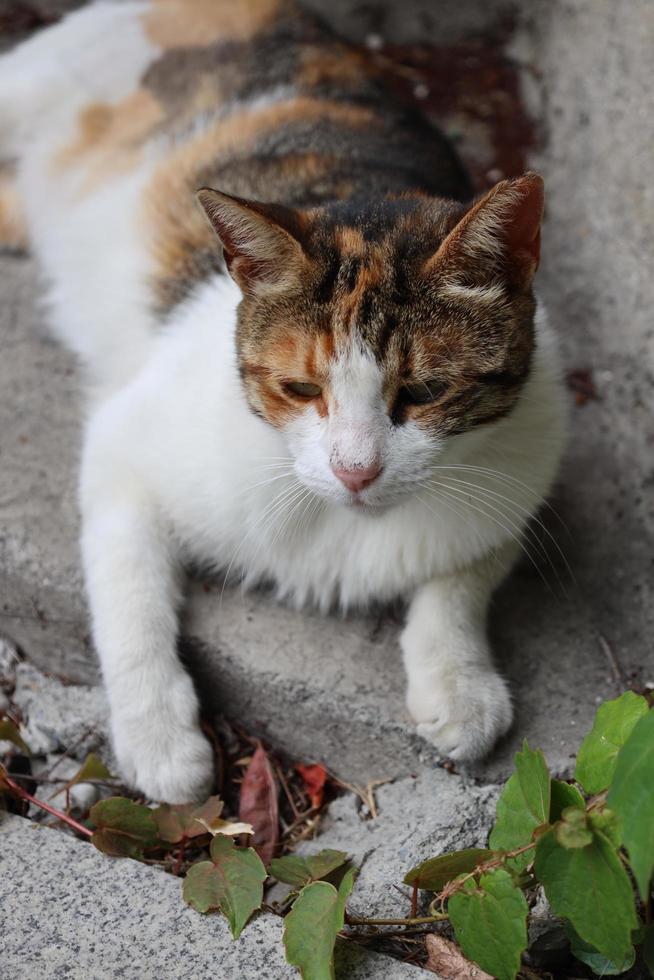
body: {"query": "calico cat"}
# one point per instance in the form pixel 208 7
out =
pixel 356 397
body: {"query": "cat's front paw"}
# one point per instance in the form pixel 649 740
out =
pixel 462 713
pixel 171 767
pixel 159 746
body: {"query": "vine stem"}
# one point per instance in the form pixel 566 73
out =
pixel 59 814
pixel 417 920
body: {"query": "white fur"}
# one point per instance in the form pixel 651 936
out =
pixel 177 467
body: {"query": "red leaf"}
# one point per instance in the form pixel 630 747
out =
pixel 314 778
pixel 258 804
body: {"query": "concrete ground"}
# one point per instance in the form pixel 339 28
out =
pixel 333 689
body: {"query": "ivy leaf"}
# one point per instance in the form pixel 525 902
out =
pixel 435 873
pixel 523 806
pixel 598 963
pixel 9 733
pixel 122 828
pixel 176 821
pixel 632 798
pixel 590 887
pixel 490 923
pixel 312 925
pixel 572 831
pixel 563 795
pixel 298 871
pixel 92 768
pixel 608 822
pixel 614 723
pixel 231 881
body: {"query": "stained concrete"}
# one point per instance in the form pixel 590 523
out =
pixel 68 911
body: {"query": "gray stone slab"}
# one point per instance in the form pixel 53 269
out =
pixel 418 818
pixel 68 911
pixel 332 689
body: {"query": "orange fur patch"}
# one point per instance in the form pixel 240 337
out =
pixel 198 23
pixel 13 226
pixel 322 66
pixel 110 138
pixel 292 355
pixel 176 226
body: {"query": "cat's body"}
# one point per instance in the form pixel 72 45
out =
pixel 360 283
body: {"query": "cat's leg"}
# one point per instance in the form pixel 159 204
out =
pixel 459 701
pixel 132 582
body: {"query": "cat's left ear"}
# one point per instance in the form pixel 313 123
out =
pixel 261 242
pixel 500 234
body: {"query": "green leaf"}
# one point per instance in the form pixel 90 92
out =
pixel 598 963
pixel 632 797
pixel 648 948
pixel 563 795
pixel 523 805
pixel 490 923
pixel 435 873
pixel 614 723
pixel 9 733
pixel 572 830
pixel 122 828
pixel 176 821
pixel 231 881
pixel 298 871
pixel 312 925
pixel 590 887
pixel 608 822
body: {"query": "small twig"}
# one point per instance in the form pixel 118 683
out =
pixel 618 674
pixel 414 900
pixel 413 921
pixel 286 788
pixel 454 886
pixel 302 818
pixel 64 817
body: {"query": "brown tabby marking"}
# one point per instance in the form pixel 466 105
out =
pixel 197 23
pixel 178 231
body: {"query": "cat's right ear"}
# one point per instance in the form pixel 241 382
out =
pixel 261 242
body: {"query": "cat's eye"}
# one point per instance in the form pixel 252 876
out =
pixel 423 392
pixel 302 389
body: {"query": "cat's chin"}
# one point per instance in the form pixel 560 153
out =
pixel 369 507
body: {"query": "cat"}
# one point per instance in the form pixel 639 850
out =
pixel 327 370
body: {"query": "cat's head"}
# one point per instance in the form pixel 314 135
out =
pixel 373 334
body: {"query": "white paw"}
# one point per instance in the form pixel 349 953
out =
pixel 162 752
pixel 462 713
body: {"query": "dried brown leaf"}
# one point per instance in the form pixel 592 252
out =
pixel 446 959
pixel 258 804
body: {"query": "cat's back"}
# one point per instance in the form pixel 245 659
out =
pixel 132 106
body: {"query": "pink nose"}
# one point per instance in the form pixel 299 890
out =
pixel 356 480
